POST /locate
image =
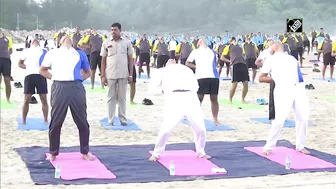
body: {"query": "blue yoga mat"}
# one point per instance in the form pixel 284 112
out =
pixel 327 79
pixel 210 126
pixel 143 76
pixel 118 127
pixel 226 78
pixel 288 123
pixel 88 82
pixel 130 162
pixel 33 124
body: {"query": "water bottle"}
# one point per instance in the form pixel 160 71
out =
pixel 172 168
pixel 288 163
pixel 58 171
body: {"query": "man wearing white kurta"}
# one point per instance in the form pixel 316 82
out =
pixel 179 85
pixel 289 93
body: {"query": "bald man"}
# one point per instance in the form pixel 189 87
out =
pixel 290 93
pixel 207 74
pixel 180 86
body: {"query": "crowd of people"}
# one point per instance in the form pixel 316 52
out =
pixel 188 69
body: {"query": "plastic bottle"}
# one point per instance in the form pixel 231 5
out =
pixel 172 168
pixel 58 171
pixel 288 162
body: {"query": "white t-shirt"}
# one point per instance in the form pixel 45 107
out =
pixel 283 68
pixel 265 54
pixel 205 60
pixel 172 45
pixel 172 77
pixel 33 58
pixel 66 64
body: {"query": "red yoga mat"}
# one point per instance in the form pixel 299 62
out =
pixel 187 163
pixel 74 167
pixel 298 160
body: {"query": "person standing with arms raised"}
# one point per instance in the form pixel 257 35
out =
pixel 70 67
pixel 117 70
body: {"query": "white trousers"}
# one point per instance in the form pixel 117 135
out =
pixel 286 98
pixel 180 105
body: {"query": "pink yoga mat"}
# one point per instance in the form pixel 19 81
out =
pixel 74 167
pixel 187 163
pixel 298 160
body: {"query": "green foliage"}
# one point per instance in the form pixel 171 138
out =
pixel 176 16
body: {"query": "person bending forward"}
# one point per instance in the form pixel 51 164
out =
pixel 180 86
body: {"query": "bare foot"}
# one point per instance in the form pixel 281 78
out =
pixel 216 122
pixel 153 158
pixel 323 78
pixel 51 157
pixel 266 152
pixel 87 157
pixel 46 122
pixel 206 157
pixel 244 102
pixel 92 87
pixel 304 151
pixel 230 102
pixel 8 101
pixel 133 103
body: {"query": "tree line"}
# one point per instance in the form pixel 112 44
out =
pixel 162 16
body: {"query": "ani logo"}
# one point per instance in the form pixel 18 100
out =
pixel 294 25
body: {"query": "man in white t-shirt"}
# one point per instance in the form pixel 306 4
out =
pixel 290 93
pixel 172 47
pixel 31 60
pixel 179 85
pixel 264 55
pixel 207 75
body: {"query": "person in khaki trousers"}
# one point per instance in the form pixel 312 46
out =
pixel 117 71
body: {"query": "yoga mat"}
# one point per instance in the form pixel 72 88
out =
pixel 97 89
pixel 314 61
pixel 226 78
pixel 327 79
pixel 330 98
pixel 135 106
pixel 74 167
pixel 187 163
pixel 239 105
pixel 210 126
pixel 33 124
pixel 288 123
pixel 4 105
pixel 297 160
pixel 143 76
pixel 130 162
pixel 117 125
pixel 88 82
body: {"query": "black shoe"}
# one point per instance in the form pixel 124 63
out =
pixel 316 70
pixel 11 78
pixel 147 102
pixel 33 100
pixel 311 87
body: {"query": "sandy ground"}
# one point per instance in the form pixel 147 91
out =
pixel 14 173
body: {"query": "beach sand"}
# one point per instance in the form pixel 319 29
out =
pixel 322 137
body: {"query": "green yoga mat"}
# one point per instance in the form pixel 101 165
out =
pixel 330 98
pixel 239 105
pixel 5 106
pixel 97 89
pixel 135 106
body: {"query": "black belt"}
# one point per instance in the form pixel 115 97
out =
pixel 181 90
